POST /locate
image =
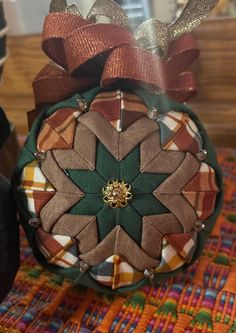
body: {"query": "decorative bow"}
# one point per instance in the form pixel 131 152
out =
pixel 86 52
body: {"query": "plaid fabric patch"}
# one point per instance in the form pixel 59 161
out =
pixel 115 273
pixel 58 130
pixel 33 179
pixel 179 132
pixel 119 108
pixel 35 187
pixel 201 192
pixel 57 249
pixel 177 250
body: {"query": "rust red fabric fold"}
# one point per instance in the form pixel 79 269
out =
pixel 92 54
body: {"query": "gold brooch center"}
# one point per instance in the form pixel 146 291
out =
pixel 117 194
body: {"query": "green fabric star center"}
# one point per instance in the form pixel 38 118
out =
pixel 143 185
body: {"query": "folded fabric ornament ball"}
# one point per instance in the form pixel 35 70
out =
pixel 117 185
pixel 9 229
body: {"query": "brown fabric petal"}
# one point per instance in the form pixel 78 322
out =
pixel 88 237
pixel 176 182
pixel 84 228
pixel 150 148
pixel 166 162
pixel 118 242
pixel 102 129
pixel 85 145
pixel 164 223
pixel 180 207
pixel 151 240
pixel 135 134
pixel 56 207
pixel 71 225
pixel 57 177
pixel 154 228
pixel 119 144
pixel 69 160
pixel 154 159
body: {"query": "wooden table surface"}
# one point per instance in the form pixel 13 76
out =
pixel 215 74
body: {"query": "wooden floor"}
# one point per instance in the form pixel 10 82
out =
pixel 215 74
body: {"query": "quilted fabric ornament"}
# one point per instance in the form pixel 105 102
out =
pixel 118 184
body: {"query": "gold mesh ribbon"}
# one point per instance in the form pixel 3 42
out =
pixel 152 35
pixel 109 9
pixel 156 36
pixel 101 8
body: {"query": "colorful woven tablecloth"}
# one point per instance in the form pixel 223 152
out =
pixel 201 300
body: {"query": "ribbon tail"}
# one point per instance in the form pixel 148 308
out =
pixel 54 84
pixel 183 88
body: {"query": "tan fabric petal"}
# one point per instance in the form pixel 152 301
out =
pixel 85 145
pixel 176 182
pixel 102 129
pixel 69 160
pixel 164 223
pixel 118 242
pixel 180 207
pixel 72 225
pixel 154 159
pixel 57 177
pixel 56 207
pixel 135 134
pixel 151 240
pixel 154 228
pixel 84 228
pixel 166 162
pixel 119 144
pixel 148 155
pixel 88 237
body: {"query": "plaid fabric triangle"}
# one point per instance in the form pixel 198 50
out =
pixel 120 109
pixel 36 200
pixel 204 180
pixel 33 179
pixel 175 255
pixel 58 249
pixel 201 191
pixel 115 273
pixel 35 188
pixel 179 133
pixel 183 243
pixel 58 130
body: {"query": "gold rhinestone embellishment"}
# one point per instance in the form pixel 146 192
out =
pixel 117 194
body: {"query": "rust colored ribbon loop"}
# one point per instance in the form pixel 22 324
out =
pixel 93 54
pixel 92 41
pixel 54 84
pixel 144 67
pixel 57 27
pixel 137 65
pixel 183 88
pixel 182 53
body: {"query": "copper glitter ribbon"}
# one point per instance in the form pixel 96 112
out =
pixel 90 53
pixel 87 54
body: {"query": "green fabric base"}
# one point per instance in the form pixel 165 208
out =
pixel 143 186
pixel 160 102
